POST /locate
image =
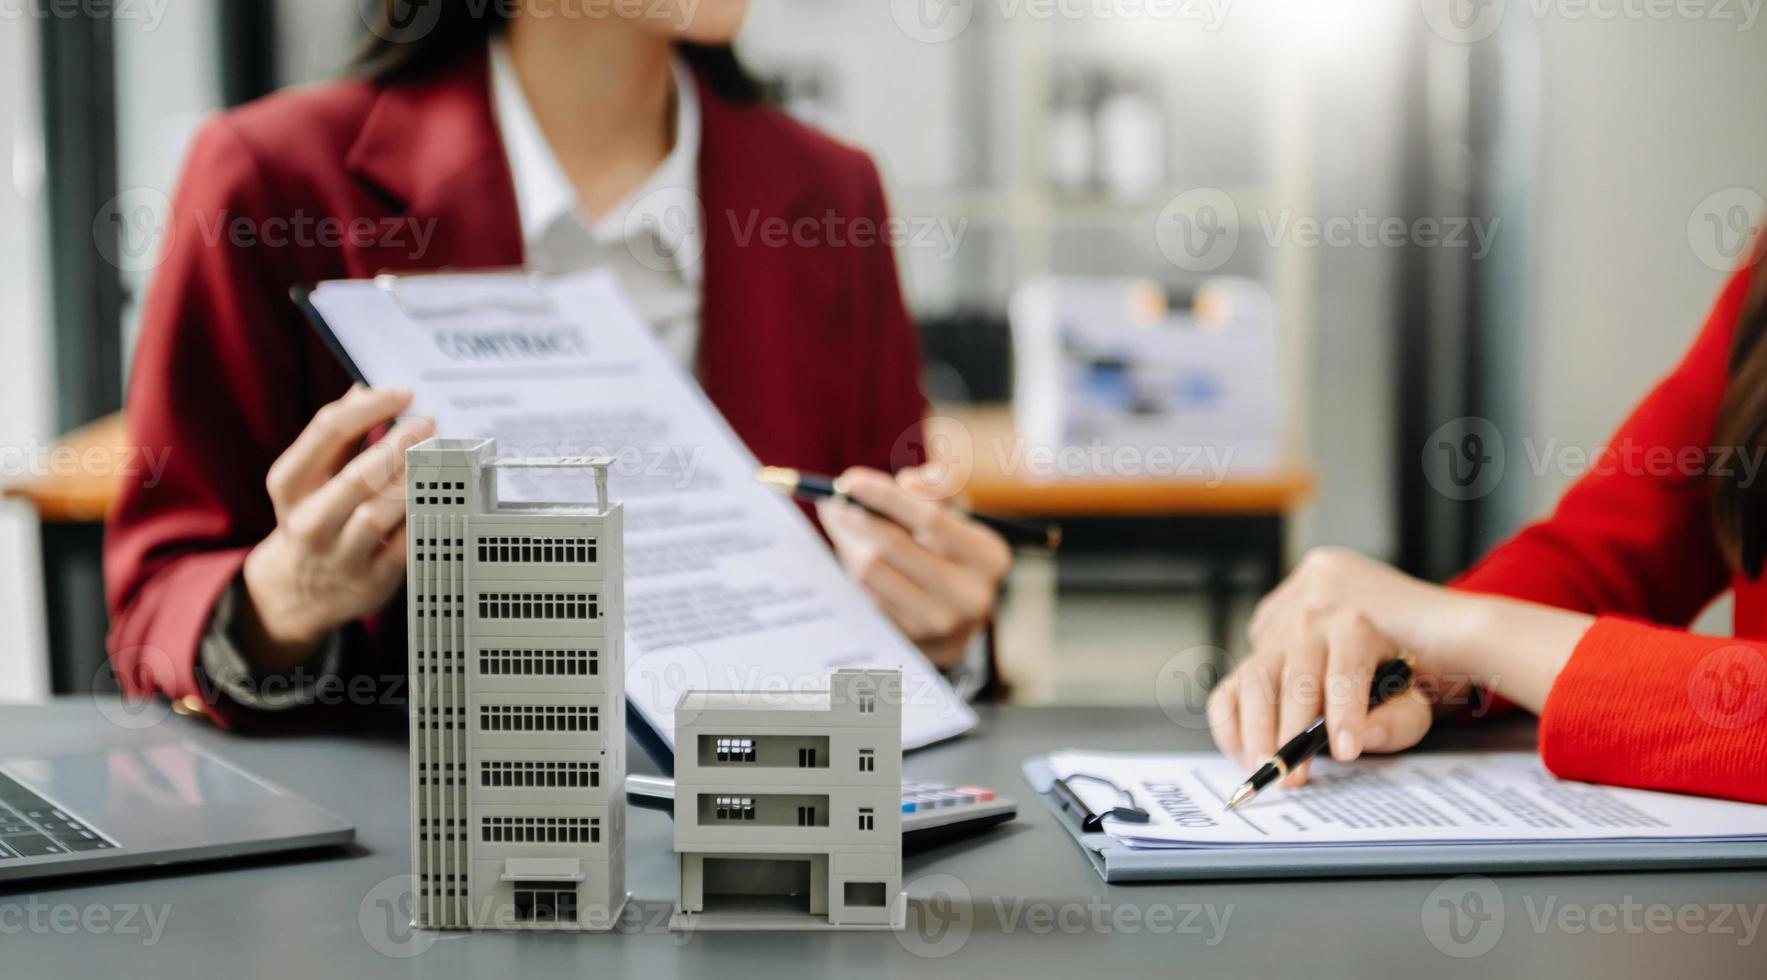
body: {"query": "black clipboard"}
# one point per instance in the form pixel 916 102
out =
pixel 303 298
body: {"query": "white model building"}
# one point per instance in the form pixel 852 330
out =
pixel 788 806
pixel 518 714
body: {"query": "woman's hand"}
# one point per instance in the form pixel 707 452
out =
pixel 338 551
pixel 1318 638
pixel 933 571
pixel 1316 642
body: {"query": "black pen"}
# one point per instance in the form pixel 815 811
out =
pixel 815 486
pixel 1391 679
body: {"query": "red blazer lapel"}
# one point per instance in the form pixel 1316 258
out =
pixel 431 151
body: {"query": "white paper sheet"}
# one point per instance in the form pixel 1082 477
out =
pixel 728 587
pixel 1421 798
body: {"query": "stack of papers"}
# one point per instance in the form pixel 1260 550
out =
pixel 1419 799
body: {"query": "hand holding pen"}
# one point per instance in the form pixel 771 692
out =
pixel 932 570
pixel 815 486
pixel 1391 680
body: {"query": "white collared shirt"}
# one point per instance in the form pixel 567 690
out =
pixel 652 240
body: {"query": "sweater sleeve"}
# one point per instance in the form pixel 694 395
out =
pixel 1641 702
pixel 1634 535
pixel 1658 708
pixel 212 334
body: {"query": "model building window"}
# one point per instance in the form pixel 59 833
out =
pixel 539 718
pixel 540 830
pixel 736 750
pixel 538 663
pixel 867 704
pixel 865 894
pixel 867 760
pixel 500 774
pixel 510 605
pixel 867 818
pixel 735 808
pixel 806 816
pixel 806 758
pixel 544 901
pixel 532 550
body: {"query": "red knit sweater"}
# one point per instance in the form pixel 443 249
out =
pixel 1642 702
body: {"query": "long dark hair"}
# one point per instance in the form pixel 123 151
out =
pixel 1739 503
pixel 411 38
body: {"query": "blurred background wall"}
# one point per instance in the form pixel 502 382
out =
pixel 1607 159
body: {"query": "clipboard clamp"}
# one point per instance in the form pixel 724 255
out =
pixel 532 297
pixel 1092 822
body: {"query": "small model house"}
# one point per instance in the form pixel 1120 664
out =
pixel 788 808
pixel 517 698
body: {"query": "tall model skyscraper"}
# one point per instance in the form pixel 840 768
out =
pixel 518 708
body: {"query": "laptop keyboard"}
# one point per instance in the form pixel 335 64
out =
pixel 31 826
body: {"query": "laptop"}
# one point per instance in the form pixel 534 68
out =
pixel 144 805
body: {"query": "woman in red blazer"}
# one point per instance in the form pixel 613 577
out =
pixel 1581 618
pixel 266 558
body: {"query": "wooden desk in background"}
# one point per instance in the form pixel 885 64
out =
pixel 70 502
pixel 1130 531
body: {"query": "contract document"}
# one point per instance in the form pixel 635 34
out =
pixel 728 586
pixel 1422 798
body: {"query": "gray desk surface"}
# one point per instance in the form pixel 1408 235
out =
pixel 1034 907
